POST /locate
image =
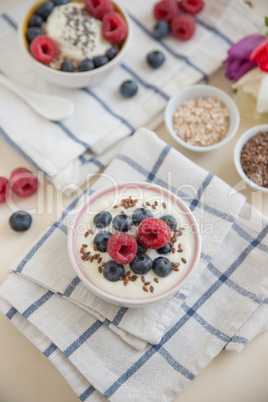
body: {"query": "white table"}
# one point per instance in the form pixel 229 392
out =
pixel 28 376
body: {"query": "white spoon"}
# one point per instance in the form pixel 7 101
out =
pixel 50 107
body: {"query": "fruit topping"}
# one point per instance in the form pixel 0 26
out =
pixel 20 221
pixel 61 2
pixel 32 33
pixel 35 21
pixel 140 214
pixel 114 27
pixel 45 9
pixel 101 240
pixel 162 266
pixel 122 222
pixel 141 249
pixel 100 61
pixel 165 250
pixel 23 182
pixel 122 248
pixel 113 271
pixel 165 10
pixel 170 221
pixel 102 219
pixel 191 6
pixel 3 189
pixel 98 8
pixel 128 89
pixel 160 30
pixel 43 49
pixel 141 264
pixel 86 65
pixel 153 233
pixel 155 59
pixel 183 26
pixel 67 66
pixel 112 52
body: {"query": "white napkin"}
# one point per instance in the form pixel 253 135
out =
pixel 67 152
pixel 224 308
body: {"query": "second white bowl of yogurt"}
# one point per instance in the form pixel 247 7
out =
pixel 151 273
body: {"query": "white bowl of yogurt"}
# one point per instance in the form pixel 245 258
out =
pixel 61 28
pixel 134 289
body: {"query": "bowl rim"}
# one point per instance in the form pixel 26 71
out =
pixel 209 90
pixel 237 152
pixel 124 301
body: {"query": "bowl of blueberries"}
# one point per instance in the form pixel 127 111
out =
pixel 134 244
pixel 75 43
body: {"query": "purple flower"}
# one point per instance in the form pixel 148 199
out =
pixel 237 62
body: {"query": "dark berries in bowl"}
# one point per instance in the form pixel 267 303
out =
pixel 141 264
pixel 122 222
pixel 32 33
pixel 20 221
pixel 170 221
pixel 162 266
pixel 67 66
pixel 35 21
pixel 155 59
pixel 165 250
pixel 45 9
pixel 86 65
pixel 100 61
pixel 128 89
pixel 101 240
pixel 113 271
pixel 102 219
pixel 140 214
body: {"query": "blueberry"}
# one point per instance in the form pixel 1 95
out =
pixel 141 249
pixel 60 2
pixel 45 9
pixel 128 89
pixel 140 214
pixel 67 66
pixel 164 250
pixel 32 33
pixel 111 53
pixel 170 221
pixel 155 59
pixel 101 240
pixel 141 264
pixel 160 30
pixel 86 65
pixel 122 222
pixel 102 219
pixel 162 266
pixel 20 221
pixel 113 271
pixel 100 61
pixel 35 21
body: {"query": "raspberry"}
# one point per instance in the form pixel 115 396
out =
pixel 183 26
pixel 165 10
pixel 114 27
pixel 3 188
pixel 97 8
pixel 122 247
pixel 43 48
pixel 23 182
pixel 191 6
pixel 153 233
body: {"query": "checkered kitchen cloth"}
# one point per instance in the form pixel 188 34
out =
pixel 224 309
pixel 66 152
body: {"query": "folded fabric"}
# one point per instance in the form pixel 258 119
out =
pixel 68 151
pixel 224 308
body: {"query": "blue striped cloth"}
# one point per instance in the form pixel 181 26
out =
pixel 224 308
pixel 68 151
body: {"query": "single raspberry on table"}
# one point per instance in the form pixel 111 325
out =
pixel 23 182
pixel 153 233
pixel 43 49
pixel 122 247
pixel 3 189
pixel 165 10
pixel 183 26
pixel 98 8
pixel 114 27
pixel 191 6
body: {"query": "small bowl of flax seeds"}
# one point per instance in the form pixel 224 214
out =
pixel 251 157
pixel 202 118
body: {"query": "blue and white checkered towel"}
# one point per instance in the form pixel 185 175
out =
pixel 224 308
pixel 83 143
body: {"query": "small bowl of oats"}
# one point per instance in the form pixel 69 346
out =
pixel 202 118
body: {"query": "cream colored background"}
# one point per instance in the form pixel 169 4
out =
pixel 27 376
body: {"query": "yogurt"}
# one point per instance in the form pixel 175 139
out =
pixel 77 34
pixel 185 247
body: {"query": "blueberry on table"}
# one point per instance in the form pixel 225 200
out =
pixel 35 21
pixel 162 266
pixel 128 89
pixel 111 53
pixel 140 214
pixel 67 66
pixel 86 65
pixel 170 221
pixel 141 249
pixel 20 221
pixel 122 222
pixel 141 264
pixel 160 30
pixel 100 61
pixel 32 33
pixel 155 59
pixel 101 240
pixel 113 271
pixel 102 219
pixel 164 250
pixel 45 9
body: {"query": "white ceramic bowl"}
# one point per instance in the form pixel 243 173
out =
pixel 133 294
pixel 75 79
pixel 237 153
pixel 202 91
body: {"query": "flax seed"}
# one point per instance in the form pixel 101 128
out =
pixel 84 245
pixel 175 269
pixel 147 283
pixel 100 269
pixel 164 205
pixel 99 260
pixel 145 288
pixel 156 203
pixel 173 250
pixel 86 234
pixel 151 289
pixel 143 279
pixel 156 280
pixel 153 206
pixel 184 260
pixel 115 206
pixel 95 248
pixel 147 203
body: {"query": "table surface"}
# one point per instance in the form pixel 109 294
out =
pixel 26 375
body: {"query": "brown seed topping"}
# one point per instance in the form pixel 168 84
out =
pixel 86 234
pixel 184 260
pixel 164 205
pixel 147 203
pixel 143 279
pixel 145 288
pixel 176 264
pixel 151 289
pixel 175 269
pixel 95 248
pixel 100 269
pixel 173 250
pixel 103 264
pixel 115 206
pixel 156 280
pixel 147 283
pixel 84 245
pixel 99 260
pixel 153 206
pixel 156 203
pixel 128 202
